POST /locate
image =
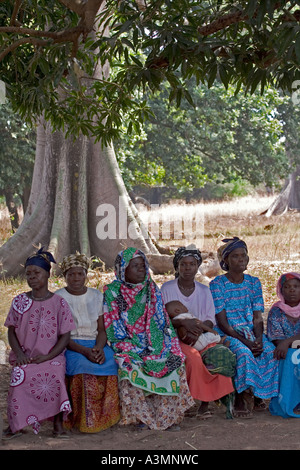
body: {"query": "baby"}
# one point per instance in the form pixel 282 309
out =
pixel 176 309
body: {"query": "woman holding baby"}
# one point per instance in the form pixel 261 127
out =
pixel 205 386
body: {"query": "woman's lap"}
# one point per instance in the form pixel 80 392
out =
pixel 203 385
pixel 258 373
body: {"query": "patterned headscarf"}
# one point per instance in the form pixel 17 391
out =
pixel 139 328
pixel 123 259
pixel 182 252
pixel 76 260
pixel 291 311
pixel 225 250
pixel 41 258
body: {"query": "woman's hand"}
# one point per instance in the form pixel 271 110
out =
pixel 281 349
pixel 98 355
pixel 39 359
pixel 95 354
pixel 22 359
pixel 257 348
pixel 186 337
pixel 193 326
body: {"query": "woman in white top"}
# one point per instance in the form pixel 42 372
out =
pixel 92 373
pixel 204 386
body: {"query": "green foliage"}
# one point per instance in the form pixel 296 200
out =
pixel 225 138
pixel 17 152
pixel 47 57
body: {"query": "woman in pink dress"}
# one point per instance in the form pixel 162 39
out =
pixel 39 324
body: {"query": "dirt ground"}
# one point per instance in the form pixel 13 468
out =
pixel 262 432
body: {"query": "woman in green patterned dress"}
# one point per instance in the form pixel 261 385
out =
pixel 152 383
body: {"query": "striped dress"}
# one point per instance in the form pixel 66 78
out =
pixel 239 301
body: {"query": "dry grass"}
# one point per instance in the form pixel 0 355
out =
pixel 273 243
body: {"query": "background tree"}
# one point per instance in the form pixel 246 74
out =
pixel 224 138
pixel 289 197
pixel 17 152
pixel 50 52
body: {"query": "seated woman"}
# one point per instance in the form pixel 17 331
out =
pixel 39 324
pixel 283 328
pixel 152 382
pixel 92 373
pixel 239 306
pixel 204 386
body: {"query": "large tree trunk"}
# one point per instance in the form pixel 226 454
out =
pixel 78 202
pixel 289 198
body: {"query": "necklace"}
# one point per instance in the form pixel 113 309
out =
pixel 186 289
pixel 41 298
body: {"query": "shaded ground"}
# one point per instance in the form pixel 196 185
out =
pixel 262 432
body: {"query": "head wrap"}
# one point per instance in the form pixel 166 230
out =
pixel 41 258
pixel 182 252
pixel 76 260
pixel 291 311
pixel 225 250
pixel 139 329
pixel 123 259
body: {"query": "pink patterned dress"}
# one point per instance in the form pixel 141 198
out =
pixel 37 391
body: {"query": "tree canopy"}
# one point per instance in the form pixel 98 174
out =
pixel 47 43
pixel 222 138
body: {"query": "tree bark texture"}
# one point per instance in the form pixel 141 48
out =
pixel 76 185
pixel 289 198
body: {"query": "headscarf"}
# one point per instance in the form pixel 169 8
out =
pixel 139 328
pixel 76 260
pixel 41 258
pixel 182 252
pixel 291 311
pixel 225 250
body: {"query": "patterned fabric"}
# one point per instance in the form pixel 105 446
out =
pixel 156 411
pixel 94 401
pixel 239 302
pixel 37 391
pixel 76 260
pixel 219 360
pixel 182 252
pixel 225 250
pixel 279 326
pixel 139 330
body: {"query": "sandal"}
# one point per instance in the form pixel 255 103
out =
pixel 191 412
pixel 259 404
pixel 244 414
pixel 60 435
pixel 205 415
pixel 8 435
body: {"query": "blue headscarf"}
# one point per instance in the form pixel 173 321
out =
pixel 225 250
pixel 41 258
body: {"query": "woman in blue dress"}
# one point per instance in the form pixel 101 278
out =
pixel 283 328
pixel 239 307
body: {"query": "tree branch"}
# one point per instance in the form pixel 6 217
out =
pixel 85 9
pixel 13 20
pixel 19 42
